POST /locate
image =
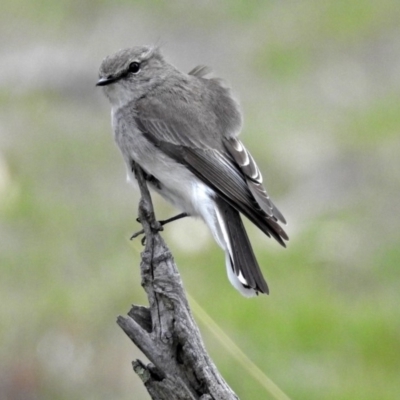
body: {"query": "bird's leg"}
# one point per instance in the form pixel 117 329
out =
pixel 159 226
pixel 174 218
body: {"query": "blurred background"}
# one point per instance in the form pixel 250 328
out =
pixel 319 84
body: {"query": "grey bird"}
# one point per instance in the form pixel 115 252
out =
pixel 182 129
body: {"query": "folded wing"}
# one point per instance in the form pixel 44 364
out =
pixel 227 167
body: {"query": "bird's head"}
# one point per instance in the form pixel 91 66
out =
pixel 130 73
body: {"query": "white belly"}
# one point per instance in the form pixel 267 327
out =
pixel 181 188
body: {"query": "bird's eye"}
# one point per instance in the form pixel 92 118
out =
pixel 134 67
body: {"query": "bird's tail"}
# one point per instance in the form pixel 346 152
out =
pixel 242 266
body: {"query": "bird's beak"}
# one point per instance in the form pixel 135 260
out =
pixel 106 81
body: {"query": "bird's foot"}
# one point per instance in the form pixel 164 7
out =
pixel 157 226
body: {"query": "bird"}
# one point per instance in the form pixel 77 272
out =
pixel 182 130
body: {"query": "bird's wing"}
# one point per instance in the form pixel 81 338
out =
pixel 253 177
pixel 224 164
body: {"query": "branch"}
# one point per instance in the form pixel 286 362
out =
pixel 165 331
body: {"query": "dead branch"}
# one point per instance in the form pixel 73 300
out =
pixel 165 331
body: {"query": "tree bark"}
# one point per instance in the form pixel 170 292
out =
pixel 165 331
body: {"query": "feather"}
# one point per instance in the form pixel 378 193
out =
pixel 200 71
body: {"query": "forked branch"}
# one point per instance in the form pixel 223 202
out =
pixel 165 331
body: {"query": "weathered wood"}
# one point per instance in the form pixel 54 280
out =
pixel 165 331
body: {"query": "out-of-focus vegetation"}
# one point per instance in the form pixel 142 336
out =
pixel 319 83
